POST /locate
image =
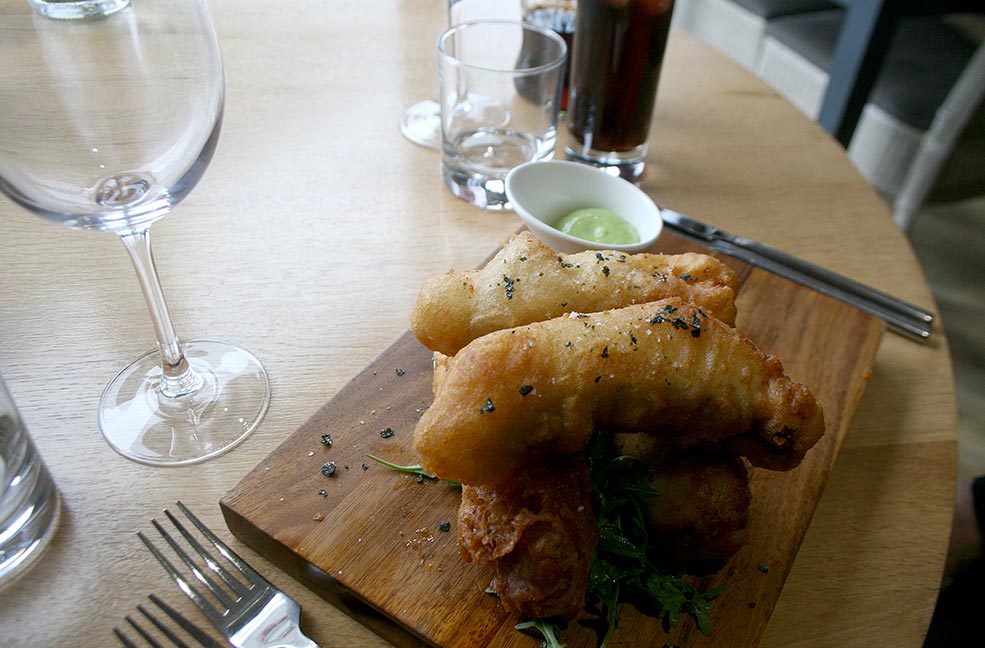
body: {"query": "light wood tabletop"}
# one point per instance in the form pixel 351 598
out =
pixel 306 242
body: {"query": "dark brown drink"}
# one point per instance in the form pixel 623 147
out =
pixel 615 68
pixel 559 16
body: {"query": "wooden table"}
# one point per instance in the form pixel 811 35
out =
pixel 306 242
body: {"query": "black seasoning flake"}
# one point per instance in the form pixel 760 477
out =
pixel 569 345
pixel 510 286
pixel 670 309
pixel 632 339
pixel 679 323
pixel 365 466
pixel 419 479
pixel 763 568
pixel 605 352
pixel 656 319
pixel 582 316
pixel 488 407
pixel 444 526
pixel 598 378
pixel 600 256
pixel 400 372
pixel 523 258
pixel 695 326
pixel 328 469
pixel 326 439
pixel 323 492
pixel 525 389
pixel 386 433
pixel 752 606
pixel 605 270
pixel 686 277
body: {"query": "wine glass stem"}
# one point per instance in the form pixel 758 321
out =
pixel 178 378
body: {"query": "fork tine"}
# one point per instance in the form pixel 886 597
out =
pixel 230 555
pixel 123 639
pixel 180 619
pixel 168 632
pixel 252 607
pixel 207 608
pixel 197 571
pixel 160 626
pixel 210 561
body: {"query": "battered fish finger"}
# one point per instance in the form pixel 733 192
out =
pixel 528 282
pixel 517 395
pixel 538 530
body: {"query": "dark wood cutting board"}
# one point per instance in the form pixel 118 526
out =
pixel 382 545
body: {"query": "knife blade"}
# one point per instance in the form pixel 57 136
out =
pixel 902 317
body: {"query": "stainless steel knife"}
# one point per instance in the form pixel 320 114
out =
pixel 901 317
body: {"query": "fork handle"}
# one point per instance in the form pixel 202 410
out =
pixel 298 641
pixel 292 640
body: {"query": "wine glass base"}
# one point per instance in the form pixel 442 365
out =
pixel 147 427
pixel 421 124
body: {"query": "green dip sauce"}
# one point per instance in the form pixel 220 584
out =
pixel 599 225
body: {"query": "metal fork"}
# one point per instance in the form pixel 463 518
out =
pixel 250 614
pixel 171 633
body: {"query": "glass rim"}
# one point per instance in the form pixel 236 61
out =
pixel 550 34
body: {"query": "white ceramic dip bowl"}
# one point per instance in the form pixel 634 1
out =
pixel 543 192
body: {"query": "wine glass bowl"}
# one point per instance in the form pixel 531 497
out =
pixel 117 127
pixel 129 126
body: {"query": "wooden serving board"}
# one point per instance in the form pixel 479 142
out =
pixel 371 540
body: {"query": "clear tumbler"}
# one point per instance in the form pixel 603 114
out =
pixel 29 501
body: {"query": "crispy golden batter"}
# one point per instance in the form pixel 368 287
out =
pixel 514 396
pixel 537 528
pixel 528 282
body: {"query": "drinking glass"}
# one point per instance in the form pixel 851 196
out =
pixel 421 123
pixel 516 64
pixel 30 506
pixel 559 15
pixel 105 125
pixel 75 9
pixel 616 59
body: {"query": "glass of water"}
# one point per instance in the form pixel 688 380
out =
pixel 29 502
pixel 518 65
pixel 421 122
pixel 77 9
pixel 107 124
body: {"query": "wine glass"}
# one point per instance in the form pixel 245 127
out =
pixel 106 124
pixel 421 122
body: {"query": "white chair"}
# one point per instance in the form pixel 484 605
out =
pixel 737 27
pixel 928 90
pixel 942 146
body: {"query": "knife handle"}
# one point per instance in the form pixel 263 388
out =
pixel 901 316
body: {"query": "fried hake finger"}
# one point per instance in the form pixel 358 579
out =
pixel 538 531
pixel 528 282
pixel 667 368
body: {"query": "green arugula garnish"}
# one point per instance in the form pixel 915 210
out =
pixel 547 629
pixel 621 569
pixel 415 469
